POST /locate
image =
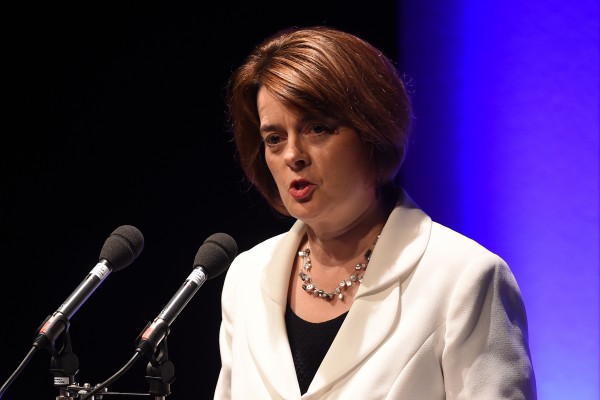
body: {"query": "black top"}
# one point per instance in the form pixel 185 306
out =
pixel 309 343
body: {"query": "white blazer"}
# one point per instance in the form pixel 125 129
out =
pixel 437 316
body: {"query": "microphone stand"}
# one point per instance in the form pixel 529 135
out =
pixel 64 364
pixel 160 372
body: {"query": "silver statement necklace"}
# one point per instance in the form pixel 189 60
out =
pixel 309 286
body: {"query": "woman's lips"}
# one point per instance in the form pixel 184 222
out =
pixel 301 189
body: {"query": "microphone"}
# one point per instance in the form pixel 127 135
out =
pixel 119 250
pixel 212 259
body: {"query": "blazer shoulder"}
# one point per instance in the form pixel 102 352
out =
pixel 451 240
pixel 460 252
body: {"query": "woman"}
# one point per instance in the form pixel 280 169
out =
pixel 365 297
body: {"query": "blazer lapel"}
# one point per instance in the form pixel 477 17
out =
pixel 376 308
pixel 271 351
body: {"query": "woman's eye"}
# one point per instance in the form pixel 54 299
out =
pixel 320 129
pixel 272 140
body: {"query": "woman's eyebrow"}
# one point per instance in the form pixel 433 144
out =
pixel 269 128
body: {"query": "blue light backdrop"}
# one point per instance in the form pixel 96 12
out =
pixel 506 151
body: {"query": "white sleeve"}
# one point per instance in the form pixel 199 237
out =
pixel 486 353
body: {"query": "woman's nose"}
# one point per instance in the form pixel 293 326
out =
pixel 295 152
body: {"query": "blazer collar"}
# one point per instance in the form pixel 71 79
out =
pixel 376 308
pixel 374 313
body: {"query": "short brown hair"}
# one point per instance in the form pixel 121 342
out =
pixel 324 72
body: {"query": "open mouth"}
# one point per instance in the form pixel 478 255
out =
pixel 297 185
pixel 301 189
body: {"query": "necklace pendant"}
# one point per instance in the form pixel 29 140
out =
pixel 304 276
pixel 324 295
pixel 309 287
pixel 304 253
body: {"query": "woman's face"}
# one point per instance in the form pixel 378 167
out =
pixel 321 169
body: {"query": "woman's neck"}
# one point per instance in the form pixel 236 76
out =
pixel 339 244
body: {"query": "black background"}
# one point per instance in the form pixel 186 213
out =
pixel 113 115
